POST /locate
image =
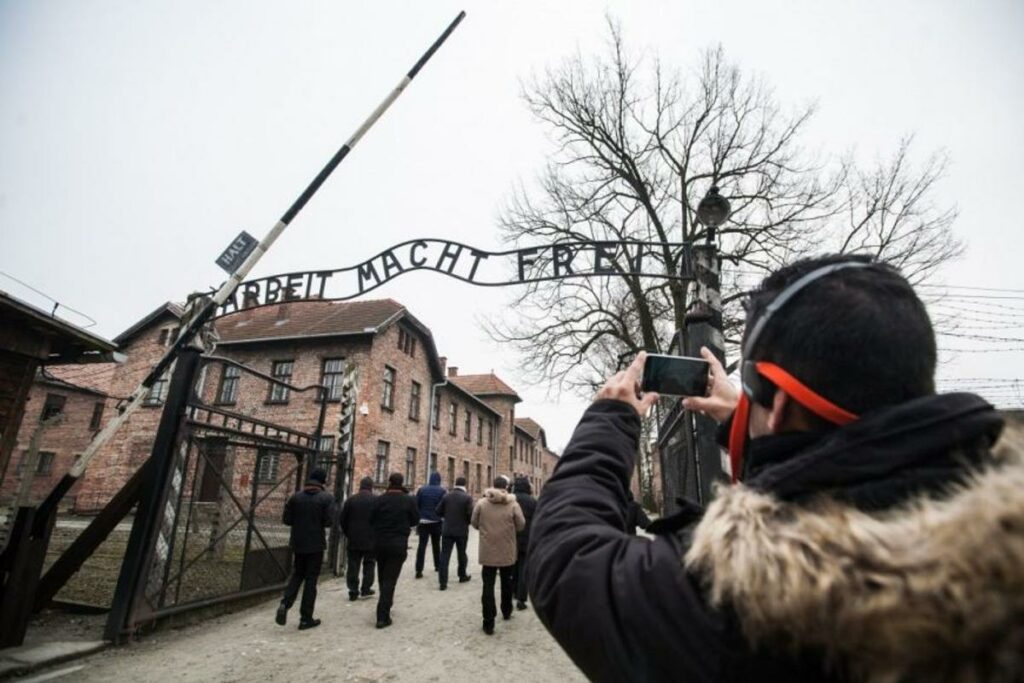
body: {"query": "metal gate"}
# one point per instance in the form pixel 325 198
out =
pixel 241 442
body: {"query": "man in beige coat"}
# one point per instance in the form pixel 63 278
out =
pixel 498 517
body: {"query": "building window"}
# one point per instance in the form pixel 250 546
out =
pixel 281 370
pixel 451 472
pixel 326 445
pixel 490 475
pixel 465 471
pixel 53 406
pixel 334 370
pixel 414 401
pixel 432 463
pixel 380 472
pixel 468 425
pixel 97 415
pixel 511 459
pixel 228 391
pixel 45 462
pixel 167 336
pixel 479 477
pixel 387 399
pixel 479 430
pixel 157 393
pixel 453 413
pixel 410 466
pixel 435 418
pixel 268 466
pixel 406 342
pixel 490 434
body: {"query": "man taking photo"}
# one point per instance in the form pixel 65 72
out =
pixel 871 533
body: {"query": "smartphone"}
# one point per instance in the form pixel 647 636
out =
pixel 675 375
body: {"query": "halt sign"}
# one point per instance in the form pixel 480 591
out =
pixel 237 252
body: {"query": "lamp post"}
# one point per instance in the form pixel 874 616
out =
pixel 704 328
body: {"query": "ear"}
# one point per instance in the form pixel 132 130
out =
pixel 777 414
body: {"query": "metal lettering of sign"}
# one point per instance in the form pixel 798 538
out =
pixel 237 252
pixel 475 266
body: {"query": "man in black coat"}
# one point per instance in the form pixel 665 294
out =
pixel 455 511
pixel 524 496
pixel 394 515
pixel 308 512
pixel 872 533
pixel 355 524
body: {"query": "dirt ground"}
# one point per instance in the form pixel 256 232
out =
pixel 436 636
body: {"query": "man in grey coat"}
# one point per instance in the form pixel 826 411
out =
pixel 455 511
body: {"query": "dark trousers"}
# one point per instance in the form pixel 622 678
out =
pixel 520 578
pixel 355 559
pixel 389 566
pixel 489 574
pixel 305 572
pixel 446 555
pixel 433 532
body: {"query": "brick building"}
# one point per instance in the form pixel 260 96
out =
pixel 528 456
pixel 413 414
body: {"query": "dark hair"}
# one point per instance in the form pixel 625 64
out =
pixel 395 480
pixel 461 481
pixel 860 337
pixel 365 483
pixel 501 482
pixel 318 475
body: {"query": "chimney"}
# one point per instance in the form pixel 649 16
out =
pixel 453 371
pixel 443 360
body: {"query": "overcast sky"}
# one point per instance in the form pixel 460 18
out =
pixel 137 138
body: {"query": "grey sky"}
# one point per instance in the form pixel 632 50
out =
pixel 138 138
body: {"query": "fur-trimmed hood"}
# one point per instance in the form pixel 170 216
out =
pixel 931 590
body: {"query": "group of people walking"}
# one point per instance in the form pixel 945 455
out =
pixel 377 530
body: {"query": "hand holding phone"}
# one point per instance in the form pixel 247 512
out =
pixel 675 375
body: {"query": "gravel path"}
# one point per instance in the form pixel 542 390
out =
pixel 436 636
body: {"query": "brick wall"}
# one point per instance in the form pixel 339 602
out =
pixel 476 455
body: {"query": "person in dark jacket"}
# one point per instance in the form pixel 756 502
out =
pixel 393 517
pixel 873 531
pixel 455 511
pixel 308 512
pixel 429 527
pixel 524 496
pixel 355 524
pixel 635 516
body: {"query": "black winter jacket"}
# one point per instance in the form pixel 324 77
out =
pixel 308 512
pixel 455 510
pixel 529 505
pixel 624 608
pixel 355 520
pixel 393 517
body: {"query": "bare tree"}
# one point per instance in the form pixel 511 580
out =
pixel 637 147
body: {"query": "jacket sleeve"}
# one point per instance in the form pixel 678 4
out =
pixel 622 607
pixel 414 512
pixel 343 517
pixel 517 515
pixel 439 510
pixel 474 517
pixel 329 511
pixel 286 516
pixel 469 509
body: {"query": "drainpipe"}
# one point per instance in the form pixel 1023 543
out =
pixel 430 427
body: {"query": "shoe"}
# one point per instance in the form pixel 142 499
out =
pixel 443 587
pixel 489 628
pixel 419 575
pixel 368 592
pixel 520 605
pixel 506 617
pixel 312 623
pixel 353 596
pixel 282 615
pixel 385 623
pixel 464 579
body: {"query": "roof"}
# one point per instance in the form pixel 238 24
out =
pixel 311 319
pixel 66 343
pixel 473 398
pixel 485 385
pixel 531 427
pixel 168 308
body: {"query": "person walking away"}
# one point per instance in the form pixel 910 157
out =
pixel 308 512
pixel 498 517
pixel 527 503
pixel 393 517
pixel 455 511
pixel 635 516
pixel 429 526
pixel 355 524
